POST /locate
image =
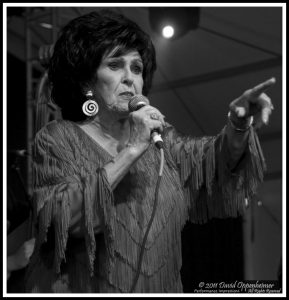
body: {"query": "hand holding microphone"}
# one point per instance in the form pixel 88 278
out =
pixel 146 122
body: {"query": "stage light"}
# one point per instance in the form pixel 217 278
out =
pixel 180 19
pixel 46 25
pixel 168 31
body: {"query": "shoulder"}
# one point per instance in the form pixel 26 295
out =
pixel 54 129
pixel 56 139
pixel 57 134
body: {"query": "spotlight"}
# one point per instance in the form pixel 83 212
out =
pixel 46 25
pixel 173 22
pixel 168 31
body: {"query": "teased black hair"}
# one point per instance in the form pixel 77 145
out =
pixel 78 52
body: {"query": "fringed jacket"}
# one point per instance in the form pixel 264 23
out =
pixel 68 168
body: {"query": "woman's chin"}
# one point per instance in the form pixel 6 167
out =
pixel 124 113
pixel 121 109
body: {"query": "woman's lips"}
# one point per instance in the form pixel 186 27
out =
pixel 126 95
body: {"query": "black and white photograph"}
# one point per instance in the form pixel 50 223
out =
pixel 144 149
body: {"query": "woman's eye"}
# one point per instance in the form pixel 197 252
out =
pixel 137 69
pixel 113 65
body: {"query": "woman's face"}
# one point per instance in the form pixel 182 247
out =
pixel 118 79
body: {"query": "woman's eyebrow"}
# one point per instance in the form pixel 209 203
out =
pixel 137 59
pixel 120 58
pixel 114 58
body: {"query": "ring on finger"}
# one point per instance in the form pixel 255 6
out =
pixel 154 116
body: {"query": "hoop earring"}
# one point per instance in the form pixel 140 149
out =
pixel 90 107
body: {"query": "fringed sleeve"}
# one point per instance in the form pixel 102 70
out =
pixel 65 194
pixel 211 188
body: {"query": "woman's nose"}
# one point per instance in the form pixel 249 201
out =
pixel 128 77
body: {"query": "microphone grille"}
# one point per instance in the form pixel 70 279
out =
pixel 136 102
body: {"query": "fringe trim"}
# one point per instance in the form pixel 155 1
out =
pixel 88 220
pixel 106 209
pixel 210 187
pixel 55 181
pixel 98 201
pixel 249 173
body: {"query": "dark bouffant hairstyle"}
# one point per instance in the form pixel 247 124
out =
pixel 79 50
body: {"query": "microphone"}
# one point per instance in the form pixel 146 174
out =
pixel 137 102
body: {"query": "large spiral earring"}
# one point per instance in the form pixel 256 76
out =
pixel 90 106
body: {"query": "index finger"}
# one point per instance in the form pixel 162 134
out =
pixel 262 87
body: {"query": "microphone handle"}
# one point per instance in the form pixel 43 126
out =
pixel 157 139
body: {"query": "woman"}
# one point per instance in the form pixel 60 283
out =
pixel 95 171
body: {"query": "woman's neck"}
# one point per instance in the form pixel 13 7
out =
pixel 111 133
pixel 117 129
